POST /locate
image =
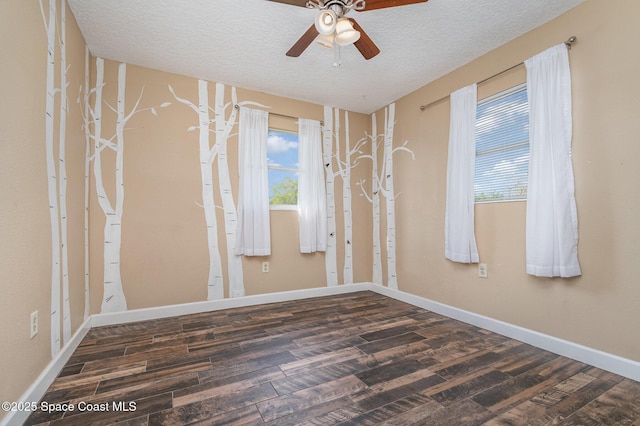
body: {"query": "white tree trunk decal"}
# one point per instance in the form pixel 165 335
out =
pixel 113 298
pixel 327 155
pixel 374 199
pixel 223 130
pixel 383 184
pixel 215 284
pixel 208 154
pixel 50 28
pixel 62 182
pixel 344 171
pixel 388 192
pixel 84 111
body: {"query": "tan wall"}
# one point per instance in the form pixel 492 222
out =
pixel 164 242
pixel 25 230
pixel 598 309
pixel 164 252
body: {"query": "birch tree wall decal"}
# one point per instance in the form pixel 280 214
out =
pixel 344 171
pixel 113 298
pixel 384 185
pixel 387 190
pixel 215 284
pixel 84 112
pixel 62 182
pixel 50 28
pixel 327 155
pixel 374 199
pixel 208 154
pixel 223 130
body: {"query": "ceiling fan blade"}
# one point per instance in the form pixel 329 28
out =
pixel 309 4
pixel 382 4
pixel 301 3
pixel 365 45
pixel 303 42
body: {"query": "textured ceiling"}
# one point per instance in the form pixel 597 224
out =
pixel 243 43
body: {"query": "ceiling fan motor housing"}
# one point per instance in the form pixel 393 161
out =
pixel 339 7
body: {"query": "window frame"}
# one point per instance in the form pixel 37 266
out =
pixel 283 207
pixel 502 94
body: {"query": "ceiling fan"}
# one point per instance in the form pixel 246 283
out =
pixel 334 28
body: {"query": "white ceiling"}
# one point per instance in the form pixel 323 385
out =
pixel 243 43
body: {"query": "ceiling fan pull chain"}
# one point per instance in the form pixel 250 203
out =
pixel 337 59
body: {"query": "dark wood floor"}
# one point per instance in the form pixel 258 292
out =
pixel 360 358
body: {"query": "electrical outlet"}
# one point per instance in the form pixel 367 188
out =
pixel 265 266
pixel 482 270
pixel 34 323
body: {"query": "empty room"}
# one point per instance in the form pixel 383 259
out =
pixel 287 212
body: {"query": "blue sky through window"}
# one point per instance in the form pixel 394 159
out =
pixel 282 157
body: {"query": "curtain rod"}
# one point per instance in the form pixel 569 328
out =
pixel 236 106
pixel 569 42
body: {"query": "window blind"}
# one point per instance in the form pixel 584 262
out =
pixel 502 146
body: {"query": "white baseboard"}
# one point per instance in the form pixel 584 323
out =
pixel 606 361
pixel 39 387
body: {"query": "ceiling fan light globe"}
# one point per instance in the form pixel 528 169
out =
pixel 326 22
pixel 347 39
pixel 326 41
pixel 345 33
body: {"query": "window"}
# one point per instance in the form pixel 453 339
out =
pixel 282 160
pixel 502 146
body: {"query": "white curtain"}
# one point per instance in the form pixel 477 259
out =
pixel 312 201
pixel 552 220
pixel 460 240
pixel 253 235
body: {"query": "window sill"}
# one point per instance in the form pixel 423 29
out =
pixel 517 200
pixel 285 207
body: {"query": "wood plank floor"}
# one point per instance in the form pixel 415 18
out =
pixel 355 359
